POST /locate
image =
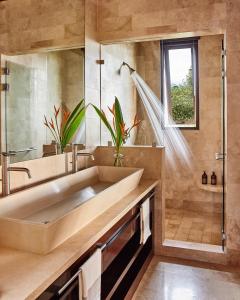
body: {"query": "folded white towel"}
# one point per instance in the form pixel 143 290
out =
pixel 145 221
pixel 90 277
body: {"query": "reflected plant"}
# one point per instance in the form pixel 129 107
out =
pixel 63 126
pixel 117 130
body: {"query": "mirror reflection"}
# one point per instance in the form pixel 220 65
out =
pixel 36 83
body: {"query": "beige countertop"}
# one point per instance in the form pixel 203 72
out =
pixel 25 275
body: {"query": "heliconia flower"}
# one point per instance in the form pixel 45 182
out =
pixel 114 125
pixel 66 114
pixel 136 121
pixel 52 124
pixel 45 121
pixel 112 110
pixel 122 127
pixel 56 111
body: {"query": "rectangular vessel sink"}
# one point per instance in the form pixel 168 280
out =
pixel 43 217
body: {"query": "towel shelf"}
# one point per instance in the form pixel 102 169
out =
pixel 102 247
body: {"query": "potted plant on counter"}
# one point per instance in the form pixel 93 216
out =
pixel 64 125
pixel 117 130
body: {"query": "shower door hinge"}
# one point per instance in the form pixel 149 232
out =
pixel 220 156
pixel 4 87
pixel 223 74
pixel 100 61
pixel 5 71
pixel 224 52
pixel 224 236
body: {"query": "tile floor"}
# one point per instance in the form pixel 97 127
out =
pixel 190 226
pixel 170 281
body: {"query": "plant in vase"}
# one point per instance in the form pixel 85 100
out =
pixel 64 124
pixel 117 130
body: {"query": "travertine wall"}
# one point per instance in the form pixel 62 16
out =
pixel 3 28
pixel 136 19
pixel 29 25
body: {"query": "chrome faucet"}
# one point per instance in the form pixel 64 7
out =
pixel 6 169
pixel 76 154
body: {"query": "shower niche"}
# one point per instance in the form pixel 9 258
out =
pixel 185 112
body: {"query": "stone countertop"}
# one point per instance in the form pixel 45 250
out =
pixel 26 275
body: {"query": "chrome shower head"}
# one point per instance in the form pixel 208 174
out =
pixel 131 70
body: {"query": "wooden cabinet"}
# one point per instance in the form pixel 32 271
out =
pixel 123 259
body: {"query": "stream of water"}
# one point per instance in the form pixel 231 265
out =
pixel 176 148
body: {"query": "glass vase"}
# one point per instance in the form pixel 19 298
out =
pixel 118 159
pixel 59 149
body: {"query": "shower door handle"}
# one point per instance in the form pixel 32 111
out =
pixel 219 156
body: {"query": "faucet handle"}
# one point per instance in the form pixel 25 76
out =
pixel 8 153
pixel 15 152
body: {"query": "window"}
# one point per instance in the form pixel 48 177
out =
pixel 180 88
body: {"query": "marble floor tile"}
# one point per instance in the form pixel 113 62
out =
pixel 169 281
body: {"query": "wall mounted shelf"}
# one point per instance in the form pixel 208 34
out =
pixel 212 188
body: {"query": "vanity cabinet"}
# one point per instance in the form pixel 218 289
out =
pixel 123 261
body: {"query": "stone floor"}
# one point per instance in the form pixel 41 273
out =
pixel 170 281
pixel 190 226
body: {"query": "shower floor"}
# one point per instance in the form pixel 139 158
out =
pixel 189 226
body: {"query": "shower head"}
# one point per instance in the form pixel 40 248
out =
pixel 131 70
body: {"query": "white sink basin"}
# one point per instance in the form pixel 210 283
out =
pixel 41 218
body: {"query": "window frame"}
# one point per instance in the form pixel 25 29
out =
pixel 165 46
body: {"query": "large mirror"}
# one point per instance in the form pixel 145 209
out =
pixel 177 91
pixel 34 84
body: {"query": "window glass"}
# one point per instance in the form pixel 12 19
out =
pixel 180 86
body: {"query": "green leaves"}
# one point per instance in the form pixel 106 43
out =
pixel 182 97
pixel 118 131
pixel 103 117
pixel 70 124
pixel 73 123
pixel 119 123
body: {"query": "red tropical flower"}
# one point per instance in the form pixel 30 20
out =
pixel 45 121
pixel 56 111
pixel 112 110
pixel 136 121
pixel 52 124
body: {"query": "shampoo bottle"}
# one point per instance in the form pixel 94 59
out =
pixel 213 178
pixel 204 178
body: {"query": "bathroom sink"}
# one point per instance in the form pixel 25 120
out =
pixel 43 217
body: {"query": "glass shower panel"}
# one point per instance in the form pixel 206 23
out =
pixel 21 114
pixel 194 211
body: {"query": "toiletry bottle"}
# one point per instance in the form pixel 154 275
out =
pixel 204 178
pixel 213 178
